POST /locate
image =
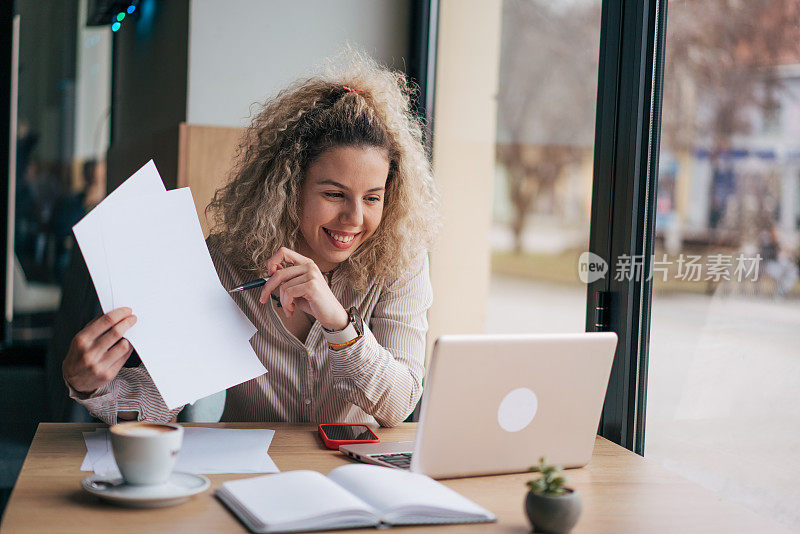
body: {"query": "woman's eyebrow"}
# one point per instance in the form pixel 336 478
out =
pixel 342 186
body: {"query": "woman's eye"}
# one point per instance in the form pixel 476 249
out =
pixel 334 195
pixel 373 199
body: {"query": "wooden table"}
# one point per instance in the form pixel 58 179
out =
pixel 621 492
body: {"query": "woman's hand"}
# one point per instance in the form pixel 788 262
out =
pixel 302 286
pixel 99 351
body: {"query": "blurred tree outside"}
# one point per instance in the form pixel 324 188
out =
pixel 721 81
pixel 546 99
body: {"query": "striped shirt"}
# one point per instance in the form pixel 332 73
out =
pixel 377 379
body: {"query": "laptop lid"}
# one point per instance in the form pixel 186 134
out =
pixel 497 403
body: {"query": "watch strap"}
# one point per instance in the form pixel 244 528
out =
pixel 342 336
pixel 347 336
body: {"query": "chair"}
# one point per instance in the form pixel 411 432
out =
pixel 206 410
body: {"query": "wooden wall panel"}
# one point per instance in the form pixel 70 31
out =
pixel 205 158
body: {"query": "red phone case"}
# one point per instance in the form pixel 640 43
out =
pixel 334 443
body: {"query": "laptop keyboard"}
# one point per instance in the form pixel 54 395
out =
pixel 400 460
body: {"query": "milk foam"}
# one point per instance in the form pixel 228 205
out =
pixel 142 431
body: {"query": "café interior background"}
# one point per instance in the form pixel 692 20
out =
pixel 514 112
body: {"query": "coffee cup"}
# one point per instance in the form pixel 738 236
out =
pixel 146 452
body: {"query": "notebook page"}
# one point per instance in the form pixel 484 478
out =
pixel 296 499
pixel 392 492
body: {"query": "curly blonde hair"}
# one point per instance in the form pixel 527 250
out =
pixel 258 210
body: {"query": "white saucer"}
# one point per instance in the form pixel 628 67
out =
pixel 177 489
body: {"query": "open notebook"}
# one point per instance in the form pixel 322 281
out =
pixel 350 496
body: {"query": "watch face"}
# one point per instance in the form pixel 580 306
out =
pixel 355 318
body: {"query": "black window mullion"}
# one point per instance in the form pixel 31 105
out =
pixel 422 61
pixel 422 70
pixel 655 66
pixel 602 188
pixel 623 201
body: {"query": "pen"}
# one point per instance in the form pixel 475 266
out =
pixel 250 285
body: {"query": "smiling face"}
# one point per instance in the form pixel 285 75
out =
pixel 341 203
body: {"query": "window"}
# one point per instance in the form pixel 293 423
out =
pixel 723 406
pixel 543 172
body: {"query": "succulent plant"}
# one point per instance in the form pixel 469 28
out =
pixel 551 482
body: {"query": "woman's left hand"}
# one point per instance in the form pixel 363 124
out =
pixel 302 286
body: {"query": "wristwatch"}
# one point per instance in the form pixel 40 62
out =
pixel 350 334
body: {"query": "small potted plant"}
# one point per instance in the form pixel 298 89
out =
pixel 550 506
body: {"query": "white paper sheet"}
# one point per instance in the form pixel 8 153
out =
pixel 190 334
pixel 99 457
pixel 205 451
pixel 88 231
pixel 145 250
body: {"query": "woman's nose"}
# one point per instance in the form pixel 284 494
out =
pixel 353 214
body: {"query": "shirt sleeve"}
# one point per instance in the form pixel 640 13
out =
pixel 382 372
pixel 132 390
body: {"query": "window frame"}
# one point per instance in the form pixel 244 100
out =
pixel 627 138
pixel 422 62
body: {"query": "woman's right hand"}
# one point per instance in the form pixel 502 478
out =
pixel 99 351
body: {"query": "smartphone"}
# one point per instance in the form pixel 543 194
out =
pixel 335 434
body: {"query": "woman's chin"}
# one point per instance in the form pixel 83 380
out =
pixel 339 256
pixel 329 259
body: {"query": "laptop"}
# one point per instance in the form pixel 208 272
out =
pixel 497 403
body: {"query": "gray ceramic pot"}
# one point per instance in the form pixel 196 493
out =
pixel 553 513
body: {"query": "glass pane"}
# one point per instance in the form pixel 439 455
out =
pixel 723 403
pixel 543 173
pixel 62 136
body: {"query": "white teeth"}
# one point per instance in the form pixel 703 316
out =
pixel 340 238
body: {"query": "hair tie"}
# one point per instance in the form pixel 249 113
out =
pixel 349 90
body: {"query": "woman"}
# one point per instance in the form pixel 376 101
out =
pixel 332 197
